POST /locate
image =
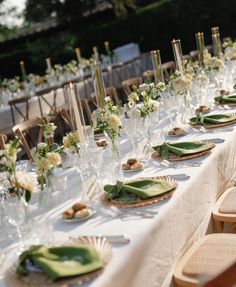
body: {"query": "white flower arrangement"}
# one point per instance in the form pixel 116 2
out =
pixel 230 51
pixel 22 183
pixel 212 63
pixel 48 130
pixel 108 120
pixel 147 94
pixel 71 141
pixel 8 156
pixel 181 84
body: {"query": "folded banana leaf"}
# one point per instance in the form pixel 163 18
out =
pixel 140 189
pixel 181 148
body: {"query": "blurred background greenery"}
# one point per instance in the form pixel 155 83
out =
pixel 53 28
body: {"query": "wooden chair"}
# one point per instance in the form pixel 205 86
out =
pixel 148 76
pixel 224 211
pixel 3 139
pixel 128 84
pixel 65 115
pixel 225 279
pixel 30 134
pixel 194 55
pixel 110 92
pixel 21 107
pixel 168 69
pixel 43 99
pixel 186 57
pixel 209 49
pixel 207 257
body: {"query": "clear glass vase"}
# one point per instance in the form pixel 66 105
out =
pixel 115 172
pixel 46 194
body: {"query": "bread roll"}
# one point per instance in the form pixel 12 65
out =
pixel 132 161
pixel 69 213
pixel 78 206
pixel 137 165
pixel 82 213
pixel 125 166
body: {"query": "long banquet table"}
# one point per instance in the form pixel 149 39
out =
pixel 156 243
pixel 112 77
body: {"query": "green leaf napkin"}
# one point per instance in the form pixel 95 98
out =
pixel 226 99
pixel 59 262
pixel 143 189
pixel 212 119
pixel 181 148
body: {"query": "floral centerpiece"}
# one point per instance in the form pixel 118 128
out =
pixel 180 84
pixel 107 119
pixel 46 155
pixel 21 183
pixel 212 63
pixel 144 98
pixel 71 142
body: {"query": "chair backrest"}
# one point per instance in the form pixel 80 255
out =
pixel 186 57
pixel 50 104
pixel 87 114
pixel 64 113
pixel 194 55
pixel 209 49
pixel 20 107
pixel 30 134
pixel 110 92
pixel 149 76
pixel 168 69
pixel 3 139
pixel 128 84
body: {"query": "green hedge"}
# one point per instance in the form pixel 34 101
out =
pixel 152 26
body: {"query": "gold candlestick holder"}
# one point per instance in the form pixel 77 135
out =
pixel 157 66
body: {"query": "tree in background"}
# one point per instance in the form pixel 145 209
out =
pixel 120 6
pixel 38 11
pixel 7 28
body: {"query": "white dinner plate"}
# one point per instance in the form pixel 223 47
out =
pixel 91 213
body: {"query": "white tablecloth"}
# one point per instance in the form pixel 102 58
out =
pixel 156 243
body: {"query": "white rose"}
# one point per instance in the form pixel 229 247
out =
pixel 43 165
pixel 25 180
pixel 114 122
pixel 107 99
pixel 41 145
pixel 54 158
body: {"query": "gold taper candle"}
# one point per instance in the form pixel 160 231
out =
pixel 215 30
pixel 200 47
pixel 177 50
pixel 157 67
pixel 99 86
pixel 216 45
pixel 95 53
pixel 78 124
pixel 22 67
pixel 80 104
pixel 49 64
pixel 78 54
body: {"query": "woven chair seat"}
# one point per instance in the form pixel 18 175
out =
pixel 213 256
pixel 228 205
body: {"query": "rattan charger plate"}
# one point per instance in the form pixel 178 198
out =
pixel 142 202
pixel 174 157
pixel 34 279
pixel 213 126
